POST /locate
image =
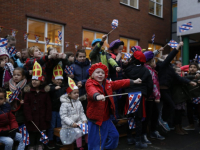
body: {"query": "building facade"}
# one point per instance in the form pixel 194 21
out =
pixel 81 21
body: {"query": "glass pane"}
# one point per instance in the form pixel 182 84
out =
pixel 88 37
pixel 87 53
pixel 158 10
pixel 159 1
pixel 36 28
pixel 41 46
pixel 151 7
pixel 174 13
pixel 53 32
pixel 99 35
pixel 124 1
pixel 150 47
pixel 133 3
pixel 132 43
pixel 157 48
pixel 125 44
pixel 59 48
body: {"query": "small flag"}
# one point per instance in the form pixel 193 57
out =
pixel 134 101
pixel 153 38
pixel 131 123
pixel 173 44
pixel 134 49
pixel 185 27
pixel 114 24
pixel 1 28
pixel 25 134
pixel 69 69
pixel 14 32
pixel 44 139
pixel 47 41
pixel 76 46
pixel 67 44
pixel 3 42
pixel 14 95
pixel 84 128
pixel 12 50
pixel 60 35
pixel 37 38
pixel 26 36
pixel 127 55
pixel 196 100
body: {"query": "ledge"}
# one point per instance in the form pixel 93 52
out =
pixel 94 29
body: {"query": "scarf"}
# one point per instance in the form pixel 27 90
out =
pixel 8 73
pixel 13 86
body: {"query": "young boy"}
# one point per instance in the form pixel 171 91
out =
pixel 8 125
pixel 56 91
pixel 70 57
pixel 99 55
pixel 101 131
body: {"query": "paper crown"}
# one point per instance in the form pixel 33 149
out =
pixel 72 85
pixel 37 72
pixel 57 72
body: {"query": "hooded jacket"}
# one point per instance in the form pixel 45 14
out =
pixel 71 111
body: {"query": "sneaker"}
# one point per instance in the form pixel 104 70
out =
pixel 156 135
pixel 51 145
pixel 59 143
pixel 190 127
pixel 130 141
pixel 145 140
pixel 140 145
pixel 164 124
pixel 40 147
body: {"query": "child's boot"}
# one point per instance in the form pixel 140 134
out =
pixel 31 148
pixel 183 129
pixel 40 147
pixel 178 130
pixel 139 144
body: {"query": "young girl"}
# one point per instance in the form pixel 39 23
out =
pixel 101 131
pixel 17 83
pixel 72 113
pixel 8 125
pixel 6 68
pixel 37 107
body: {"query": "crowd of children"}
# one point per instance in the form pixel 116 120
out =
pixel 40 92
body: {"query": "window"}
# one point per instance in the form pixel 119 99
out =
pixel 156 7
pixel 128 43
pixel 88 37
pixel 152 47
pixel 131 3
pixel 174 12
pixel 44 30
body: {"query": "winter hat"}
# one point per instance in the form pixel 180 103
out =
pixel 96 66
pixel 3 51
pixel 139 56
pixel 72 85
pixel 115 44
pixel 57 72
pixel 149 55
pixel 37 72
pixel 95 41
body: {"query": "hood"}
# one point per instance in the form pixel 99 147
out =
pixel 65 99
pixel 86 63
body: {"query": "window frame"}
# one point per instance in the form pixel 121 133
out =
pixel 128 43
pixel 154 1
pixel 45 34
pixel 130 5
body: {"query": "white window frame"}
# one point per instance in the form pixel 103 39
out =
pixel 154 1
pixel 45 35
pixel 128 43
pixel 130 5
pixel 154 48
pixel 89 48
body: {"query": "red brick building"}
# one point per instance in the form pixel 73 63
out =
pixel 83 20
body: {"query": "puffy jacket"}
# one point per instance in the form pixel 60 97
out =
pixel 95 109
pixel 81 74
pixel 7 119
pixel 71 111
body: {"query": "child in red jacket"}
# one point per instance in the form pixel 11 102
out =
pixel 101 131
pixel 8 125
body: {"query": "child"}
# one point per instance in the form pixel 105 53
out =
pixel 99 55
pixel 72 113
pixel 70 57
pixel 6 69
pixel 37 107
pixel 18 82
pixel 56 91
pixel 24 55
pixel 102 134
pixel 80 67
pixel 8 125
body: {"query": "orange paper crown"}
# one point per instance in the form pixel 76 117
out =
pixel 57 72
pixel 72 85
pixel 37 72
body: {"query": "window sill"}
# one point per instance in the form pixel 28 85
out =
pixel 129 6
pixel 156 16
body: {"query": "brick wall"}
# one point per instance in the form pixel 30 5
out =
pixel 96 14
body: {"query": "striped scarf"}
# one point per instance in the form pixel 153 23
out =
pixel 13 86
pixel 8 72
